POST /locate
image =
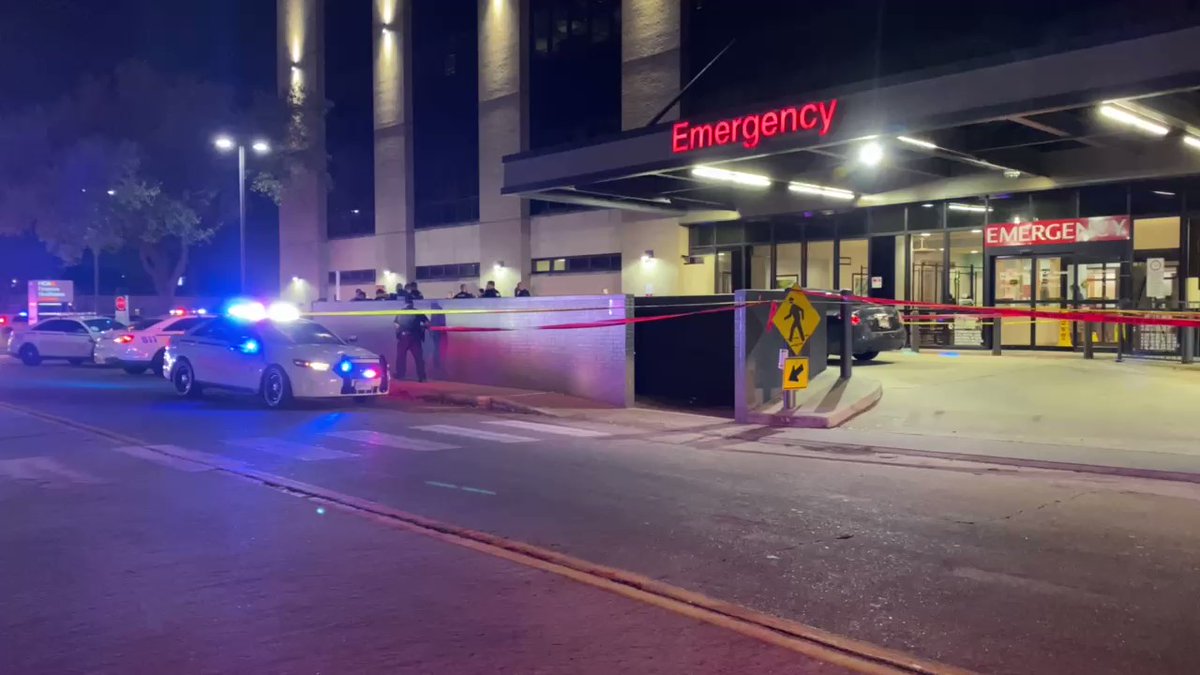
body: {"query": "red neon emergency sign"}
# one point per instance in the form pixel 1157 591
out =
pixel 1047 232
pixel 750 130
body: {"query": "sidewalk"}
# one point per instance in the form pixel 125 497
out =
pixel 1035 408
pixel 125 562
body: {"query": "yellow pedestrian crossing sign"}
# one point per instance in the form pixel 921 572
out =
pixel 795 373
pixel 796 319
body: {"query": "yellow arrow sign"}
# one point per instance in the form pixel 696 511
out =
pixel 795 373
pixel 796 319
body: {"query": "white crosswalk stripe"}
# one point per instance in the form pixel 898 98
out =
pixel 162 459
pixel 467 432
pixel 45 471
pixel 550 428
pixel 290 449
pixel 392 440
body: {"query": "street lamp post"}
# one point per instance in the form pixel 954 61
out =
pixel 226 144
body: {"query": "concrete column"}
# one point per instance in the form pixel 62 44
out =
pixel 503 130
pixel 394 206
pixel 650 74
pixel 302 210
pixel 650 70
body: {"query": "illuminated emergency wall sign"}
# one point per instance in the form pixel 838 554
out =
pixel 750 130
pixel 1049 232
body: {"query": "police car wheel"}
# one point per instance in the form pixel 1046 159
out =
pixel 183 379
pixel 276 390
pixel 29 355
pixel 156 363
pixel 865 356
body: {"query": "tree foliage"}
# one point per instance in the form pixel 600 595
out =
pixel 126 161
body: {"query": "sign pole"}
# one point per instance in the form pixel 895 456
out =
pixel 847 336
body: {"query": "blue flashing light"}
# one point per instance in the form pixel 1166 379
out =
pixel 345 367
pixel 23 314
pixel 250 346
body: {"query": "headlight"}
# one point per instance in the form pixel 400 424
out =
pixel 314 365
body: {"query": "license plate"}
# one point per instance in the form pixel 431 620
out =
pixel 365 386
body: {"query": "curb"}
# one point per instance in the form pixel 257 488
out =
pixel 497 403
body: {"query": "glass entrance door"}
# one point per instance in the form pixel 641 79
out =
pixel 1096 286
pixel 1032 283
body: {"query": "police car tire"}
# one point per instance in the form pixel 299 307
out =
pixel 156 363
pixel 181 367
pixel 284 398
pixel 29 355
pixel 865 356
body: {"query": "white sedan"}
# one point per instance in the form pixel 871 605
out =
pixel 277 359
pixel 145 344
pixel 72 338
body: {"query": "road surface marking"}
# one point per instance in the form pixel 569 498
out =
pixel 478 491
pixel 392 440
pixel 550 428
pixel 822 645
pixel 290 449
pixel 452 430
pixel 45 471
pixel 161 459
pixel 464 488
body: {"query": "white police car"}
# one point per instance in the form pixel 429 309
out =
pixel 145 344
pixel 275 355
pixel 70 337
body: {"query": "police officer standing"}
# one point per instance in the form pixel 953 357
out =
pixel 410 337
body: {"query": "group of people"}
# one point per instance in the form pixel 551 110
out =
pixel 412 326
pixel 410 291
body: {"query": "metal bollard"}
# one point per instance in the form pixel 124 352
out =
pixel 997 322
pixel 847 336
pixel 1088 347
pixel 1187 344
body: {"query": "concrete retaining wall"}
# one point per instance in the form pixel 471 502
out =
pixel 592 363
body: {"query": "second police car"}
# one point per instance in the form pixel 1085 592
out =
pixel 142 348
pixel 273 354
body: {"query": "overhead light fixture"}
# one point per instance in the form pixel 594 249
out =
pixel 1163 193
pixel 927 206
pixel 870 153
pixel 648 255
pixel 498 266
pixel 1191 141
pixel 820 190
pixel 917 142
pixel 1136 121
pixel 261 147
pixel 112 193
pixel 974 251
pixel 736 177
pixel 224 143
pixel 977 231
pixel 1017 218
pixel 1012 173
pixel 971 208
pixel 924 234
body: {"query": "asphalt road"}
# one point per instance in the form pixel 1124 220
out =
pixel 993 569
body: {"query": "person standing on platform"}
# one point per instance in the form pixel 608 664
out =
pixel 410 337
pixel 521 291
pixel 490 291
pixel 463 293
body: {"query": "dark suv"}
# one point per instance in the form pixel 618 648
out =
pixel 877 328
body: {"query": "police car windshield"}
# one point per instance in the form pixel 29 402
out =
pixel 304 332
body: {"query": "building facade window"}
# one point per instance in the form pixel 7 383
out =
pixel 579 264
pixel 449 272
pixel 445 91
pixel 353 277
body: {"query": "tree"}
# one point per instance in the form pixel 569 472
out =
pixel 126 161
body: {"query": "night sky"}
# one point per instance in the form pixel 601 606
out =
pixel 48 46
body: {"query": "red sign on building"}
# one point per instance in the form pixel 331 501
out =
pixel 1050 232
pixel 750 130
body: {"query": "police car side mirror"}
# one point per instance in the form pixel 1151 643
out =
pixel 352 339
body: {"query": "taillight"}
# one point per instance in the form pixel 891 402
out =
pixel 123 339
pixel 855 319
